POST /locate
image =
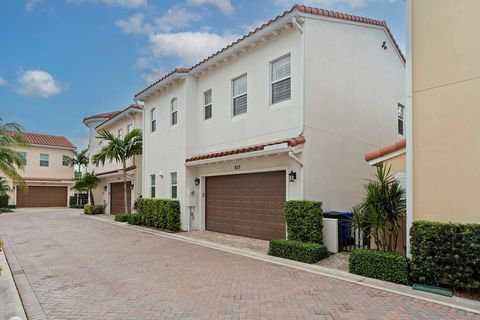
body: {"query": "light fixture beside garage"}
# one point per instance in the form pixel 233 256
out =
pixel 197 181
pixel 292 176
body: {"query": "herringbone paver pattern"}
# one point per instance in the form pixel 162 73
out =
pixel 86 269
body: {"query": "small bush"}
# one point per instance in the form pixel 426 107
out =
pixel 299 251
pixel 5 210
pixel 87 209
pixel 388 266
pixel 76 206
pixel 4 201
pixel 304 221
pixel 135 219
pixel 11 206
pixel 446 251
pixel 160 213
pixel 121 217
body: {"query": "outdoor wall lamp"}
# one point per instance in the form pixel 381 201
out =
pixel 292 176
pixel 132 186
pixel 104 188
pixel 197 181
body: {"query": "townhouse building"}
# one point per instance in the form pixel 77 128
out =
pixel 286 112
pixel 109 190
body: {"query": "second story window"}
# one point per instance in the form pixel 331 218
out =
pixel 23 156
pixel 129 128
pixel 43 160
pixel 173 177
pixel 120 133
pixel 207 104
pixel 153 122
pixel 65 161
pixel 239 92
pixel 281 80
pixel 401 122
pixel 173 109
pixel 152 186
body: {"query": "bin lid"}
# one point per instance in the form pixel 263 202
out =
pixel 333 215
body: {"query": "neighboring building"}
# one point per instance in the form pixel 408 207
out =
pixel 45 171
pixel 443 99
pixel 109 191
pixel 392 156
pixel 283 113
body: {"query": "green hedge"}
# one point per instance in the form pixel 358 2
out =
pixel 90 210
pixel 445 251
pixel 5 210
pixel 135 219
pixel 304 220
pixel 76 206
pixel 299 251
pixel 388 266
pixel 160 213
pixel 121 217
pixel 4 201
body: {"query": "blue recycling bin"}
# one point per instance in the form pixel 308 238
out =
pixel 346 226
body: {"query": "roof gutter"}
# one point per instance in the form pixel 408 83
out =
pixel 296 20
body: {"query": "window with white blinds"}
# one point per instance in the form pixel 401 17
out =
pixel 173 108
pixel 239 90
pixel 281 80
pixel 207 104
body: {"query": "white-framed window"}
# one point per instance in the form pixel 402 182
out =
pixel 23 156
pixel 65 161
pixel 239 95
pixel 173 179
pixel 281 79
pixel 152 185
pixel 401 122
pixel 44 160
pixel 120 133
pixel 174 111
pixel 207 104
pixel 129 128
pixel 153 122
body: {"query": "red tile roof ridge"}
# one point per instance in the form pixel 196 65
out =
pixel 116 170
pixel 44 139
pixel 131 106
pixel 399 145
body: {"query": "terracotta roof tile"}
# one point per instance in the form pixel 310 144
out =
pixel 134 106
pixel 106 115
pixel 299 8
pixel 44 139
pixel 292 142
pixel 116 171
pixel 386 150
pixel 47 179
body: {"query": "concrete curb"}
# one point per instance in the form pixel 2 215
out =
pixel 31 306
pixel 453 302
pixel 10 302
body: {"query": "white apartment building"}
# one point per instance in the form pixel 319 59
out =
pixel 286 112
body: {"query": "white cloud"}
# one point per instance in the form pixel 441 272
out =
pixel 118 3
pixel 225 6
pixel 134 24
pixel 30 4
pixel 37 83
pixel 176 18
pixel 324 3
pixel 190 47
pixel 2 81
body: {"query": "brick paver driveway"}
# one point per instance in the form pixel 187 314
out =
pixel 87 269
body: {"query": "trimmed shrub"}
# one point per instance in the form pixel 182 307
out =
pixel 299 251
pixel 388 266
pixel 121 217
pixel 87 209
pixel 445 252
pixel 135 219
pixel 304 220
pixel 160 213
pixel 5 210
pixel 11 206
pixel 4 201
pixel 76 206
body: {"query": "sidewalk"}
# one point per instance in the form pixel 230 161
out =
pixel 10 302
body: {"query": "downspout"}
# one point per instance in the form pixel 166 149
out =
pixel 295 22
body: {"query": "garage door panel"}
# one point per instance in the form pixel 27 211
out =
pixel 248 205
pixel 42 196
pixel 117 196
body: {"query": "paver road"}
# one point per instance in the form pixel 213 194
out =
pixel 81 268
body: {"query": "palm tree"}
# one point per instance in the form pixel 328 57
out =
pixel 10 160
pixel 4 187
pixel 87 183
pixel 119 149
pixel 79 159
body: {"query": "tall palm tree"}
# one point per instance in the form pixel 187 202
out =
pixel 79 159
pixel 5 188
pixel 10 160
pixel 119 149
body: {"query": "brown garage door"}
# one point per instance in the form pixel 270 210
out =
pixel 117 196
pixel 249 205
pixel 42 196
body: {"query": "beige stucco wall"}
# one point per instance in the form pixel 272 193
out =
pixel 397 164
pixel 446 109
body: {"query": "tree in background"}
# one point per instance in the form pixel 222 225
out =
pixel 119 149
pixel 10 160
pixel 79 160
pixel 87 183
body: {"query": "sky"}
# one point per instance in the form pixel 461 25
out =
pixel 62 60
